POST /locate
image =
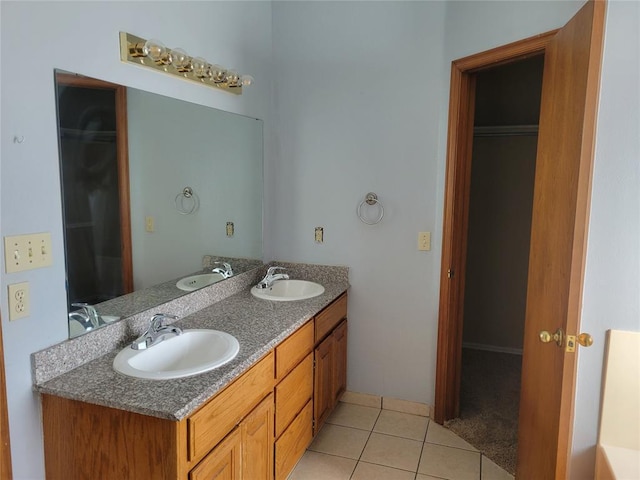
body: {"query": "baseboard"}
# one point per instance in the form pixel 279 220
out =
pixel 492 348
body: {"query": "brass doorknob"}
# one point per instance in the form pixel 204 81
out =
pixel 585 339
pixel 558 337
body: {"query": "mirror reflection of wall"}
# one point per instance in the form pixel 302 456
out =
pixel 173 145
pixel 123 166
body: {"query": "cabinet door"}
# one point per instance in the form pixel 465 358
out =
pixel 323 395
pixel 223 462
pixel 257 442
pixel 339 372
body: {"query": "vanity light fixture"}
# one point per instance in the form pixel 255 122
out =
pixel 153 54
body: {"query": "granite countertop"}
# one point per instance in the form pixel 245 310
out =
pixel 259 325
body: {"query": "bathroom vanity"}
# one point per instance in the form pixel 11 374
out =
pixel 251 419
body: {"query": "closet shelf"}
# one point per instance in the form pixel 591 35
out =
pixel 505 130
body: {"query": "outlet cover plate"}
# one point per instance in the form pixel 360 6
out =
pixel 18 300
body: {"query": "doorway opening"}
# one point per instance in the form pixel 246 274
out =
pixel 95 187
pixel 503 157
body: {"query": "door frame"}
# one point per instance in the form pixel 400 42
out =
pixel 456 212
pixel 5 443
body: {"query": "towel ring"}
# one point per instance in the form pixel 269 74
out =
pixel 370 199
pixel 188 194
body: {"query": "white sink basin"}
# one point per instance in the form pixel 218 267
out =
pixel 289 290
pixel 194 282
pixel 193 352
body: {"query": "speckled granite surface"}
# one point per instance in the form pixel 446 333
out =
pixel 258 325
pixel 70 354
pixel 147 298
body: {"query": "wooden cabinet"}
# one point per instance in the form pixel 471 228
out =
pixel 246 453
pixel 257 442
pixel 339 373
pixel 294 392
pixel 231 433
pixel 256 428
pixel 211 423
pixel 330 377
pixel 223 462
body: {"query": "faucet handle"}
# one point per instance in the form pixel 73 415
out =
pixel 158 318
pixel 227 267
pixel 272 270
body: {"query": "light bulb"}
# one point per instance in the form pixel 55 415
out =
pixel 218 74
pixel 157 52
pixel 181 60
pixel 199 67
pixel 246 80
pixel 233 78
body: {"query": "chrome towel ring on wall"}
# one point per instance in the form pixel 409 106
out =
pixel 370 199
pixel 192 201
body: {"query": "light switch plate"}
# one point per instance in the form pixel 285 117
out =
pixel 149 224
pixel 424 241
pixel 26 252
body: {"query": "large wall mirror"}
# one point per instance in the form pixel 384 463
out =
pixel 160 197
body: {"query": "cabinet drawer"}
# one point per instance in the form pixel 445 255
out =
pixel 330 317
pixel 293 349
pixel 212 422
pixel 223 462
pixel 293 442
pixel 293 393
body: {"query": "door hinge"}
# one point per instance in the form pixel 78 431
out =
pixel 450 273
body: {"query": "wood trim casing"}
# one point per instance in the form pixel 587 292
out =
pixel 122 149
pixel 5 444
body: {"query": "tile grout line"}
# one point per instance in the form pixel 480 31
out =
pixel 424 441
pixel 365 443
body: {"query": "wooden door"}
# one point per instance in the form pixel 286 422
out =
pixel 322 399
pixel 558 241
pixel 257 442
pixel 224 461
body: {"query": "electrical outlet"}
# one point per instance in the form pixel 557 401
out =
pixel 18 300
pixel 319 235
pixel 230 229
pixel 424 241
pixel 149 224
pixel 26 252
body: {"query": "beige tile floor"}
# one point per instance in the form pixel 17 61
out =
pixel 367 443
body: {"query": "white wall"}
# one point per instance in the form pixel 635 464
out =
pixel 611 297
pixel 357 99
pixel 361 104
pixel 82 37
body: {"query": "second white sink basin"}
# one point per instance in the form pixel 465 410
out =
pixel 194 282
pixel 289 290
pixel 195 351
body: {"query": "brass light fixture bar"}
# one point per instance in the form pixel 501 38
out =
pixel 153 54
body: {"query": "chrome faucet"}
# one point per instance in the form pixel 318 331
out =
pixel 87 315
pixel 226 271
pixel 156 332
pixel 271 277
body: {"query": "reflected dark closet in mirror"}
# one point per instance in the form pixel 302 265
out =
pixel 94 172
